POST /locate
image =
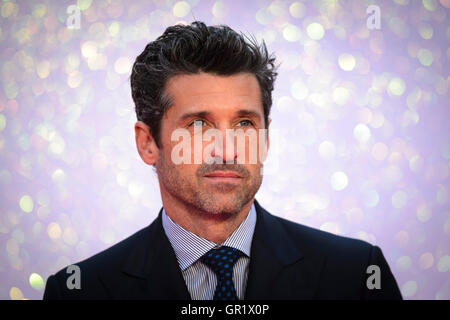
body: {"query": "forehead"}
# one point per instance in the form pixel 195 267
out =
pixel 214 92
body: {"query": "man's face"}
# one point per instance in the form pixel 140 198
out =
pixel 201 102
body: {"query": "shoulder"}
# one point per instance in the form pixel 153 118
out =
pixel 114 255
pixel 308 237
pixel 322 240
pixel 337 249
pixel 89 270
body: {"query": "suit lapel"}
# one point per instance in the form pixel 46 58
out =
pixel 155 265
pixel 279 268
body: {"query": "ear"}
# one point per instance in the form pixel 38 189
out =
pixel 145 143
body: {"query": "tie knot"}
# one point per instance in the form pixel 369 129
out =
pixel 221 260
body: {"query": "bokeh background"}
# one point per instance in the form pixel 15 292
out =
pixel 360 128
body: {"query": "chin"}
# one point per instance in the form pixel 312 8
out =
pixel 222 205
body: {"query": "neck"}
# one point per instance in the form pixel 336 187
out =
pixel 215 227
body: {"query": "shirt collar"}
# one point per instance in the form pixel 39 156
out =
pixel 189 247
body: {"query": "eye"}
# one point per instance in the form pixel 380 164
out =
pixel 245 123
pixel 198 123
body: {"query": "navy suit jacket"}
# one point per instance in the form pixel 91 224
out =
pixel 288 261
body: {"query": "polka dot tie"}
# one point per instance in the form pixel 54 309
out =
pixel 221 260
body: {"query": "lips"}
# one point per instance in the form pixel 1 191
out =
pixel 222 174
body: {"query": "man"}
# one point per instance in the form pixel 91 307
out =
pixel 212 239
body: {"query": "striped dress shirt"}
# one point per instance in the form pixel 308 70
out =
pixel 200 279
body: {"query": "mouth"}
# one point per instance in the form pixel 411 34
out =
pixel 223 176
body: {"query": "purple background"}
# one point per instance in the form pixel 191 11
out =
pixel 360 134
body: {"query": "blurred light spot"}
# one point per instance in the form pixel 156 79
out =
pixel 354 215
pixel 299 90
pixel 123 65
pixel 285 104
pixel 399 199
pixel 327 150
pixel 37 228
pixel 263 16
pixel 341 95
pixel 70 236
pixel 99 161
pixel 409 117
pixel 315 31
pixel 12 247
pixel 219 9
pixel 425 57
pixel 297 9
pixel 89 49
pixel 277 9
pixel 402 238
pixel 15 294
pixel 364 115
pixel 361 132
pixel 98 62
pixel 73 60
pixel 346 61
pixel 58 175
pixel 39 10
pixel 423 213
pixel 370 197
pixel 330 227
pixel 339 181
pixel 447 226
pixel 43 197
pixel 362 235
pixel 426 31
pixel 340 32
pixel 19 236
pixel 74 79
pixel 26 203
pixel 2 122
pixel 409 289
pixel 379 151
pixel 36 282
pixel 426 260
pixel 43 69
pixel 445 3
pixel 444 264
pixel 114 28
pixel 82 248
pixel 43 212
pixel 57 145
pixel 404 263
pixel 291 33
pixel 135 189
pixel 396 87
pixel 107 236
pixel 7 9
pixel 122 178
pixel 430 5
pixel 23 142
pixel 54 230
pixel 441 194
pixel 441 86
pixel 181 9
pixel 84 4
pixel 415 163
pixel 11 89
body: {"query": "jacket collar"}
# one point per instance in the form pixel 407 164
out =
pixel 272 251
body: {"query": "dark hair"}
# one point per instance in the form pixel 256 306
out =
pixel 190 49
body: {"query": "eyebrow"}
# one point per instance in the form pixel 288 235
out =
pixel 199 114
pixel 204 114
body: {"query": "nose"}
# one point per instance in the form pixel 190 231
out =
pixel 225 148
